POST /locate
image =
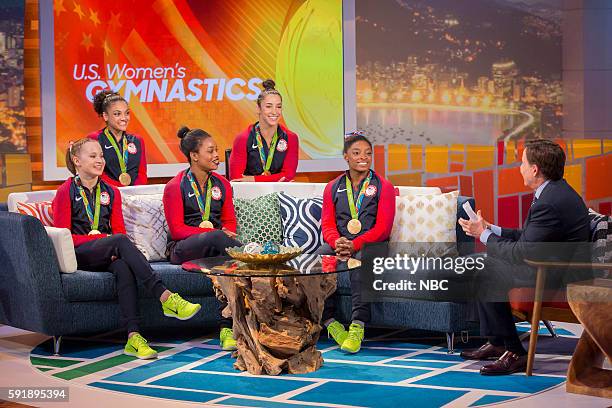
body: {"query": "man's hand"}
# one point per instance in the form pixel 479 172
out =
pixel 474 228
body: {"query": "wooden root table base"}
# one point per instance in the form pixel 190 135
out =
pixel 591 303
pixel 276 320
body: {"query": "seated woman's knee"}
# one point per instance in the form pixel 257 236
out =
pixel 213 236
pixel 122 241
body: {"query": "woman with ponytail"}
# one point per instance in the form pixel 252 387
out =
pixel 200 210
pixel 126 162
pixel 91 209
pixel 266 150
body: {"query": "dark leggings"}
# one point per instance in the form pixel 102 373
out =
pixel 129 267
pixel 204 245
pixel 360 310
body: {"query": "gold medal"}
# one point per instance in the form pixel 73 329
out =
pixel 125 179
pixel 206 224
pixel 354 226
pixel 353 263
pixel 94 232
pixel 266 173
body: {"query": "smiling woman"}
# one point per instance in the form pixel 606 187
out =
pixel 266 151
pixel 358 208
pixel 126 162
pixel 91 209
pixel 200 211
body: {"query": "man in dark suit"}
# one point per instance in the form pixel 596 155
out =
pixel 557 214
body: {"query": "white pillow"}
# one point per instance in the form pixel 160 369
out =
pixel 146 225
pixel 426 219
pixel 64 248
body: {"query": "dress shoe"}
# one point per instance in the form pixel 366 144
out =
pixel 508 363
pixel 485 352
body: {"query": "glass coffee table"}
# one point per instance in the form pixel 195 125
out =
pixel 276 309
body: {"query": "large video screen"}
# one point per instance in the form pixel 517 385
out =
pixel 193 63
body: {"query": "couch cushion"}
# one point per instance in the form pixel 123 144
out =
pixel 601 236
pixel 83 286
pixel 520 299
pixel 146 225
pixel 259 219
pixel 301 221
pixel 426 219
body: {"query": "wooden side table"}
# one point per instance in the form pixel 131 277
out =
pixel 276 310
pixel 591 302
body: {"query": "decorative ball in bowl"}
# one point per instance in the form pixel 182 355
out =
pixel 267 254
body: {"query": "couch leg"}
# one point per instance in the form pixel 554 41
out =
pixel 57 341
pixel 550 328
pixel 450 343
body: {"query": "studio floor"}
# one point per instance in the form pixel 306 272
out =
pixel 394 368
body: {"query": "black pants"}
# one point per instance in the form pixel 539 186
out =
pixel 494 311
pixel 360 310
pixel 204 245
pixel 129 267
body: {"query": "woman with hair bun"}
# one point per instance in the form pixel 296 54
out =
pixel 199 210
pixel 91 209
pixel 266 150
pixel 126 162
pixel 358 208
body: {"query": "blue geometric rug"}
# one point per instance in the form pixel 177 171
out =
pixel 393 366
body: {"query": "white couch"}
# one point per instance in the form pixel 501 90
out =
pixel 241 190
pixel 83 294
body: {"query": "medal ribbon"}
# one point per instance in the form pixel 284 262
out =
pixel 355 207
pixel 94 217
pixel 204 209
pixel 266 162
pixel 123 159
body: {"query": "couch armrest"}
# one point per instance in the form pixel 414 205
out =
pixel 31 295
pixel 465 244
pixel 61 238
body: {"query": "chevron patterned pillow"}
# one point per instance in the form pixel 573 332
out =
pixel 301 222
pixel 146 225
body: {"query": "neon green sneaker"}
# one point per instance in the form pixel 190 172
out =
pixel 227 340
pixel 336 331
pixel 352 344
pixel 177 307
pixel 137 346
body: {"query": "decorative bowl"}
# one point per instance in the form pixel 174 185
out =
pixel 285 254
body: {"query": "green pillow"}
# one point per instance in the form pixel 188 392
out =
pixel 259 219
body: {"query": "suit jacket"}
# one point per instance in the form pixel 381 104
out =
pixel 558 216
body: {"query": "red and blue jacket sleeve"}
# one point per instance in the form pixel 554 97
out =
pixel 116 221
pixel 96 136
pixel 384 218
pixel 142 178
pixel 238 158
pixel 228 214
pixel 62 214
pixel 328 217
pixel 289 164
pixel 173 209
